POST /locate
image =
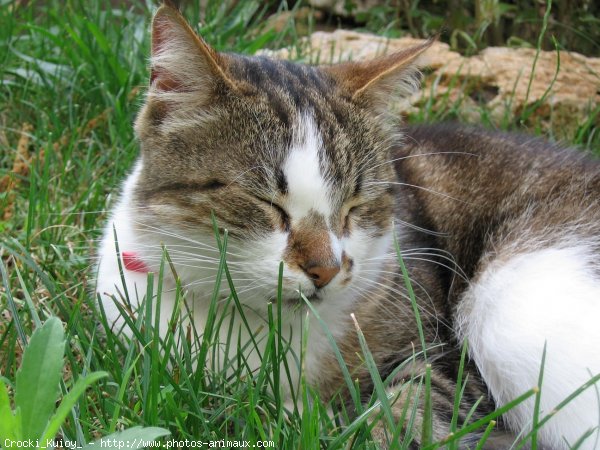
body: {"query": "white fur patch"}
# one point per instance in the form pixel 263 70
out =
pixel 307 188
pixel 514 307
pixel 109 277
pixel 336 247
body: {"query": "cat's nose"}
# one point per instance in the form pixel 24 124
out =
pixel 321 275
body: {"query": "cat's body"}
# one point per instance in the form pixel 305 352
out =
pixel 499 233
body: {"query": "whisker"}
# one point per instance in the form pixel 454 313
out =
pixel 404 295
pixel 423 154
pixel 431 191
pixel 418 228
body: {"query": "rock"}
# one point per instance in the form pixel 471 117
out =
pixel 495 82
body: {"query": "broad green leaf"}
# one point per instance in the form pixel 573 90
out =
pixel 136 437
pixel 9 423
pixel 37 386
pixel 68 402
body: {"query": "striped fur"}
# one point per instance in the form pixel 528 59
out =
pixel 306 165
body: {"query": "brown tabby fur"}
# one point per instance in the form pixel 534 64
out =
pixel 218 115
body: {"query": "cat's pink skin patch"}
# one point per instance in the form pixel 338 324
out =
pixel 133 262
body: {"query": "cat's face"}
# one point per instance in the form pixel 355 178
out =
pixel 292 160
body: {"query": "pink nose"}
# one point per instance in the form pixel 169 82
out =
pixel 321 276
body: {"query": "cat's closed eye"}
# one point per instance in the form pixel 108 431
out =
pixel 285 218
pixel 185 187
pixel 284 221
pixel 353 210
pixel 212 185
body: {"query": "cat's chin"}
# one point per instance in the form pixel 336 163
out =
pixel 295 299
pixel 315 297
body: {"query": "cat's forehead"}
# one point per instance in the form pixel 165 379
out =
pixel 289 88
pixel 310 186
pixel 306 170
pixel 312 138
pixel 294 79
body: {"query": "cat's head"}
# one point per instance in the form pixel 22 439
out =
pixel 293 160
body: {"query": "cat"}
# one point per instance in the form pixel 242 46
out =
pixel 308 165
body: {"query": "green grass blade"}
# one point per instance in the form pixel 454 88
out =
pixel 10 423
pixel 538 398
pixel 38 378
pixel 538 48
pixel 427 429
pixel 382 395
pixel 411 295
pixel 338 355
pixel 28 299
pixel 69 402
pixel 590 383
pixel 485 420
pixel 11 304
pixel 582 440
pixel 458 392
pixel 486 435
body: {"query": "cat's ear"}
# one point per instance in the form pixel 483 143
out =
pixel 382 79
pixel 181 61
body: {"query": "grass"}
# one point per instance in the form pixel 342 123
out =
pixel 72 76
pixel 476 24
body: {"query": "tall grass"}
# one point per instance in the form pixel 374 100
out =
pixel 72 76
pixel 475 24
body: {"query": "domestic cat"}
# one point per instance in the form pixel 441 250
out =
pixel 308 165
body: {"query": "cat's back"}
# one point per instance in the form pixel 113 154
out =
pixel 485 189
pixel 521 216
pixel 516 162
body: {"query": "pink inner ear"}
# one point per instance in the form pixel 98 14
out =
pixel 164 81
pixel 160 78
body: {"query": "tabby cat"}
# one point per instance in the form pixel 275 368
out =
pixel 308 165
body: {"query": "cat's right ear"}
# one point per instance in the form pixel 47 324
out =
pixel 181 62
pixel 382 80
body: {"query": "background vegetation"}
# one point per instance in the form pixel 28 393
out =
pixel 475 24
pixel 72 76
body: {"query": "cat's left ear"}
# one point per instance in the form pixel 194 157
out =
pixel 181 61
pixel 381 80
